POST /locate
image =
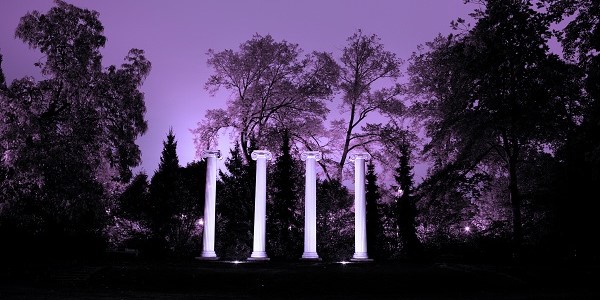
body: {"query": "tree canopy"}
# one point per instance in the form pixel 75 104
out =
pixel 67 142
pixel 272 87
pixel 493 94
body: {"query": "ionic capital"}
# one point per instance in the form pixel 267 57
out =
pixel 211 153
pixel 364 156
pixel 310 154
pixel 261 153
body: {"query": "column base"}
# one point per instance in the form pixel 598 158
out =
pixel 258 256
pixel 310 256
pixel 258 259
pixel 361 257
pixel 208 255
pixel 207 258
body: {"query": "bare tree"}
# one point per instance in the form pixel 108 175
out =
pixel 272 88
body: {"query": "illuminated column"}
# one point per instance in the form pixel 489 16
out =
pixel 260 205
pixel 208 238
pixel 310 206
pixel 360 207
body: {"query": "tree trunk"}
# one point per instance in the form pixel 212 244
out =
pixel 515 201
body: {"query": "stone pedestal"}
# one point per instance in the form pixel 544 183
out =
pixel 260 205
pixel 310 206
pixel 360 208
pixel 208 238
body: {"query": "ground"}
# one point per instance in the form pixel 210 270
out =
pixel 193 279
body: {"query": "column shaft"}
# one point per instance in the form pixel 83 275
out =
pixel 310 206
pixel 210 192
pixel 260 205
pixel 360 208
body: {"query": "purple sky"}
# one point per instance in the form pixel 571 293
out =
pixel 177 34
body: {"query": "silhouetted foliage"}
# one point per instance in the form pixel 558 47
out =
pixel 175 205
pixel 335 221
pixel 130 216
pixel 235 207
pixel 580 175
pixel 68 142
pixel 133 202
pixel 376 239
pixel 405 208
pixel 494 95
pixel 160 218
pixel 2 79
pixel 164 196
pixel 285 206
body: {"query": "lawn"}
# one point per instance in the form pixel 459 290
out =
pixel 297 280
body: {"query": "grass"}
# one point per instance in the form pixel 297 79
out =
pixel 131 279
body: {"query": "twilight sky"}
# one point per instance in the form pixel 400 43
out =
pixel 177 34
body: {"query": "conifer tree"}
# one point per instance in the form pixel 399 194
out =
pixel 2 79
pixel 285 206
pixel 335 221
pixel 405 206
pixel 375 234
pixel 235 207
pixel 164 188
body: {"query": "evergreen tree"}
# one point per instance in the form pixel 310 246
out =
pixel 235 207
pixel 2 79
pixel 284 217
pixel 185 235
pixel 335 221
pixel 193 181
pixel 375 232
pixel 405 206
pixel 133 202
pixel 164 189
pixel 162 216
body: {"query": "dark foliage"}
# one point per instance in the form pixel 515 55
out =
pixel 2 79
pixel 335 221
pixel 67 141
pixel 376 239
pixel 235 208
pixel 405 208
pixel 579 176
pixel 160 217
pixel 285 206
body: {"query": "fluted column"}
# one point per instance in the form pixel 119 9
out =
pixel 360 207
pixel 260 205
pixel 210 193
pixel 310 205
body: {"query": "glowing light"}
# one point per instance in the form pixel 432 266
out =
pixel 400 192
pixel 200 222
pixel 237 262
pixel 344 262
pixel 467 228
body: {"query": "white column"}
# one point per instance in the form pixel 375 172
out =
pixel 260 205
pixel 210 193
pixel 310 206
pixel 360 207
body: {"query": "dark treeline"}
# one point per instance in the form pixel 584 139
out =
pixel 509 129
